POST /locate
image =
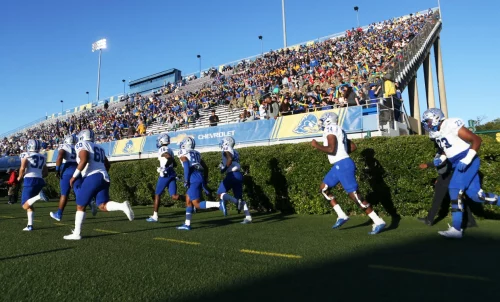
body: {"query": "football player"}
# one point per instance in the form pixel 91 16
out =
pixel 33 170
pixel 230 165
pixel 338 147
pixel 460 147
pixel 93 168
pixel 193 180
pixel 167 177
pixel 65 167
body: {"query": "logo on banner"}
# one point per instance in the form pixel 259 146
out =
pixel 308 124
pixel 179 138
pixel 216 134
pixel 129 147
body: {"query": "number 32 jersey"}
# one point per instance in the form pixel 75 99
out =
pixel 96 158
pixel 341 152
pixel 448 140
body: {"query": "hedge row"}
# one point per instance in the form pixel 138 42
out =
pixel 286 177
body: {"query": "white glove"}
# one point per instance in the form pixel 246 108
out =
pixel 160 171
pixel 221 166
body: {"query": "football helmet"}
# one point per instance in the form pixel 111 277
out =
pixel 86 135
pixel 33 145
pixel 227 141
pixel 187 144
pixel 431 119
pixel 329 118
pixel 70 139
pixel 163 139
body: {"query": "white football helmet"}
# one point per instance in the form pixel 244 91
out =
pixel 227 141
pixel 431 119
pixel 70 139
pixel 163 139
pixel 86 135
pixel 33 145
pixel 329 118
pixel 187 144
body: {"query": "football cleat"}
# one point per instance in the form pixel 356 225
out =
pixel 246 221
pixel 93 208
pixel 152 219
pixel 43 196
pixel 451 232
pixel 55 215
pixel 73 236
pixel 184 227
pixel 28 228
pixel 340 222
pixel 377 228
pixel 128 211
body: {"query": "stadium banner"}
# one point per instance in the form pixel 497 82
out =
pixel 248 132
pixel 306 125
pixel 108 147
pixel 50 155
pixel 128 146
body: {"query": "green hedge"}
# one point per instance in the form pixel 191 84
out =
pixel 286 177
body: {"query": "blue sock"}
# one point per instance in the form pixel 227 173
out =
pixel 59 212
pixel 456 217
pixel 203 205
pixel 230 198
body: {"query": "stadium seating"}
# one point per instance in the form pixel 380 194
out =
pixel 336 72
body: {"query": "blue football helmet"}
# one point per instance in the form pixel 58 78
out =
pixel 33 145
pixel 329 118
pixel 431 119
pixel 163 139
pixel 227 141
pixel 70 139
pixel 187 144
pixel 86 135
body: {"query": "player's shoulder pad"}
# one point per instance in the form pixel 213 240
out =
pixel 228 149
pixel 182 152
pixel 452 124
pixel 330 129
pixel 83 146
pixel 23 155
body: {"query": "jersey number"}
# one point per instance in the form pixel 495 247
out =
pixel 99 154
pixel 73 153
pixel 195 157
pixel 37 160
pixel 344 141
pixel 443 143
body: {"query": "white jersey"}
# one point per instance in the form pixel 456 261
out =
pixel 235 164
pixel 163 161
pixel 447 138
pixel 70 154
pixel 96 157
pixel 341 149
pixel 193 156
pixel 35 164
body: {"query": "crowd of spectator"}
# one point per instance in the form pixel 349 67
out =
pixel 342 71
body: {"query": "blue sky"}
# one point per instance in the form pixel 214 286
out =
pixel 45 54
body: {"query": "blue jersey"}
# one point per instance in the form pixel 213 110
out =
pixel 193 156
pixel 235 164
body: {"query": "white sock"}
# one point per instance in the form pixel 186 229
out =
pixel 247 212
pixel 155 215
pixel 114 206
pixel 377 220
pixel 31 214
pixel 212 204
pixel 33 199
pixel 79 217
pixel 339 211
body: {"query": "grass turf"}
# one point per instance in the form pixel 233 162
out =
pixel 119 260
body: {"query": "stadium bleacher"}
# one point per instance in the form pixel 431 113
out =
pixel 346 70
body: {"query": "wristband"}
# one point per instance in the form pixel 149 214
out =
pixel 443 158
pixel 470 155
pixel 57 168
pixel 77 173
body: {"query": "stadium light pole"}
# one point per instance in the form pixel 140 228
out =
pixel 99 45
pixel 199 57
pixel 62 107
pixel 261 45
pixel 123 86
pixel 87 96
pixel 357 14
pixel 284 22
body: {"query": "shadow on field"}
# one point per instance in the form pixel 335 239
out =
pixel 35 254
pixel 430 269
pixel 374 173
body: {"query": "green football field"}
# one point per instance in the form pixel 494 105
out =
pixel 277 258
